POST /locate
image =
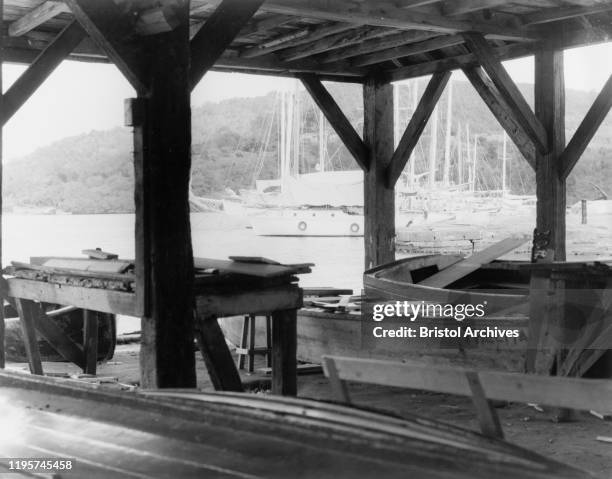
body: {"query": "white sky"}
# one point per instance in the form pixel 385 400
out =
pixel 80 97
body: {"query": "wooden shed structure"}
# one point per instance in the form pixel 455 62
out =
pixel 165 47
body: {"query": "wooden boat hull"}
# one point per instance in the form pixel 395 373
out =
pixel 322 333
pixel 398 281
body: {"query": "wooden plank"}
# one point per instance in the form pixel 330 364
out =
pixel 415 127
pixel 286 41
pixel 166 354
pixel 557 14
pixel 472 263
pixel 37 16
pixel 587 129
pixel 253 301
pixel 26 310
pixel 99 254
pixel 508 89
pixel 220 29
pixel 90 341
pixel 216 354
pixel 504 115
pixel 574 393
pixel 379 199
pixel 260 270
pixel 487 416
pixel 112 31
pixel 284 349
pixel 40 69
pixel 337 120
pixel 106 301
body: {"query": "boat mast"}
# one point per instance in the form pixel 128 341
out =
pixel 297 134
pixel 322 142
pixel 504 162
pixel 447 138
pixel 412 159
pixel 467 150
pixel 473 170
pixel 459 156
pixel 433 147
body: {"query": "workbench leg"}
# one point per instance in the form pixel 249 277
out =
pixel 27 313
pixel 217 356
pixel 284 349
pixel 90 341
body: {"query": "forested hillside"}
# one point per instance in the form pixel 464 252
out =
pixel 236 141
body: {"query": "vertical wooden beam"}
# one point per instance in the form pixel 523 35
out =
pixel 27 315
pixel 163 233
pixel 90 341
pixel 379 199
pixel 550 111
pixel 284 347
pixel 2 325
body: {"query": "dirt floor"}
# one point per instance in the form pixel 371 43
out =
pixel 570 442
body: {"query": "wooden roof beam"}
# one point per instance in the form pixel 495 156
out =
pixel 220 29
pixel 407 50
pixel 291 40
pixel 371 13
pixel 415 127
pixel 36 17
pixel 494 100
pixel 44 64
pixel 337 120
pixel 546 16
pixel 109 28
pixel 461 7
pixel 501 79
pixel 587 129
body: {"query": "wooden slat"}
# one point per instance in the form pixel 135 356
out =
pixel 113 33
pixel 36 17
pixel 255 302
pixel 587 129
pixel 379 200
pixel 487 417
pixel 415 127
pixel 337 120
pixel 286 41
pixel 472 263
pixel 506 86
pixel 581 394
pixel 27 315
pixel 284 349
pixel 339 387
pixel 260 270
pixel 40 69
pixel 494 100
pixel 220 29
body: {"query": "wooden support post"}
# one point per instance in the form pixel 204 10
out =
pixel 162 145
pixel 550 111
pixel 379 199
pixel 217 357
pixel 415 127
pixel 27 315
pixel 337 120
pixel 546 317
pixel 487 416
pixel 90 341
pixel 3 283
pixel 284 348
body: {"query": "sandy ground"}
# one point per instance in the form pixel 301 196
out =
pixel 570 442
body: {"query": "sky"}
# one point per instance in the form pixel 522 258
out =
pixel 80 97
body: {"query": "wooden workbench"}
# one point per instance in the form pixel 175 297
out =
pixel 218 293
